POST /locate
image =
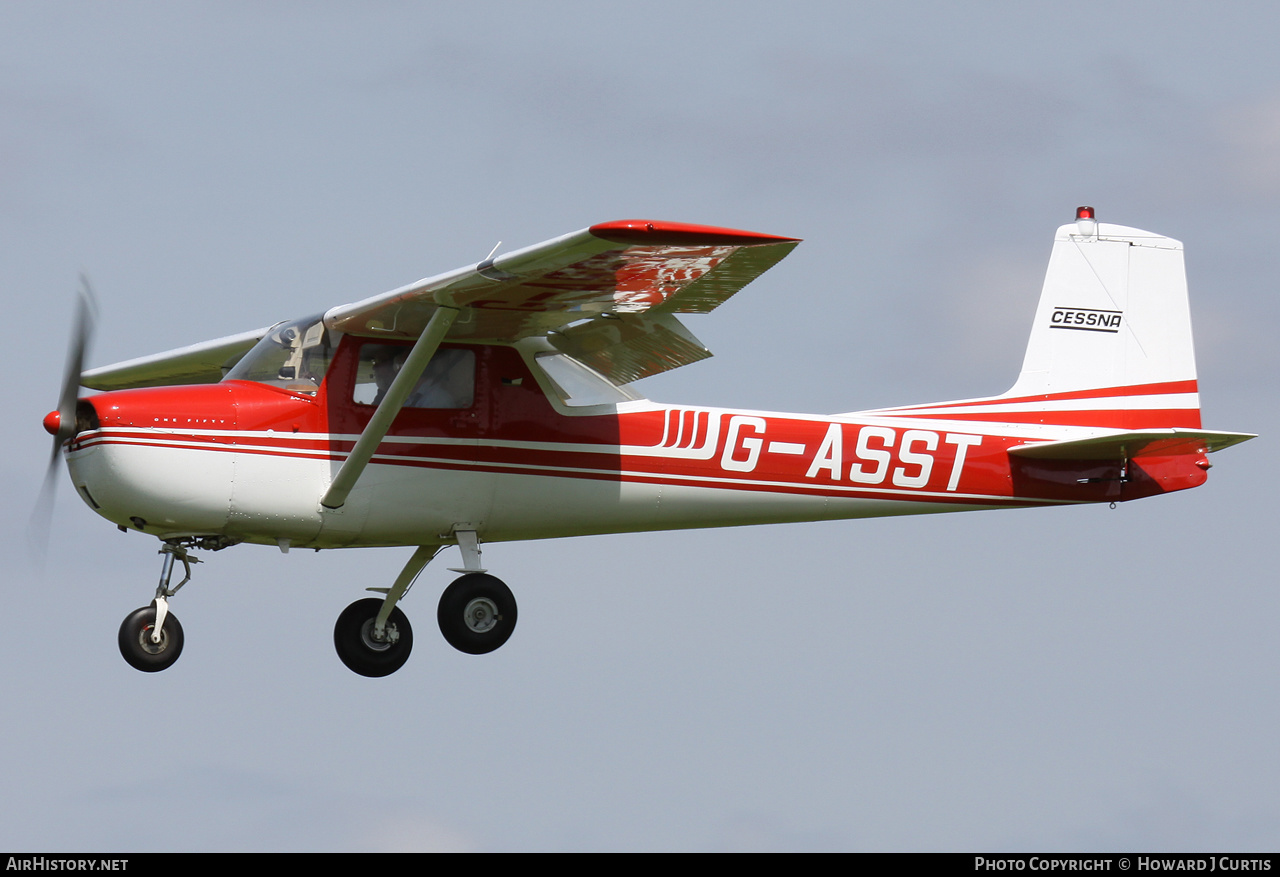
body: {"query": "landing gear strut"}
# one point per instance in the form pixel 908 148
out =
pixel 372 636
pixel 477 613
pixel 151 638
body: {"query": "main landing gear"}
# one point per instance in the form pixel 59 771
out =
pixel 151 638
pixel 367 648
pixel 477 614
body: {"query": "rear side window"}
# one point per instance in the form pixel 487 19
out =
pixel 578 385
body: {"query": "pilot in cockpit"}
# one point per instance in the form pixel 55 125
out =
pixel 448 381
pixel 386 365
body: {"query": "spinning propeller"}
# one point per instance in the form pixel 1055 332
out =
pixel 61 423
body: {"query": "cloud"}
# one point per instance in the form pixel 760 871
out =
pixel 1251 133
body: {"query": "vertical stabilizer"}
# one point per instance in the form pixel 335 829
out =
pixel 1111 343
pixel 1113 323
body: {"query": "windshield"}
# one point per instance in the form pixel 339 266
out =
pixel 293 356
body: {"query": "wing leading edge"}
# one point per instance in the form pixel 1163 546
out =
pixel 607 295
pixel 203 363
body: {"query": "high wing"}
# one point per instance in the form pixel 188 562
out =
pixel 607 295
pixel 203 363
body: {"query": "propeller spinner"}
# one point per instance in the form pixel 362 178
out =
pixel 61 422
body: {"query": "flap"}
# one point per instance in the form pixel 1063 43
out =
pixel 628 347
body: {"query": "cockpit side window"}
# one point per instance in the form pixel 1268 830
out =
pixel 294 356
pixel 449 380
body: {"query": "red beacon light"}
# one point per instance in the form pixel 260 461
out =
pixel 1086 224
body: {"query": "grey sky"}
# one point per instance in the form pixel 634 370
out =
pixel 1054 679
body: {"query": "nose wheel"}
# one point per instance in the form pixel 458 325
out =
pixel 140 645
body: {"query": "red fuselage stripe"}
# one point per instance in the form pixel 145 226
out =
pixel 1158 389
pixel 441 459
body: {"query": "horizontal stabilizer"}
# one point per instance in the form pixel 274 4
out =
pixel 1134 443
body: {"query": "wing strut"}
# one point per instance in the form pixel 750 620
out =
pixel 390 406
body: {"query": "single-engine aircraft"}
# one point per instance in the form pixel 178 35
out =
pixel 494 403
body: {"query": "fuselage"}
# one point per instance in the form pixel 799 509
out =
pixel 524 459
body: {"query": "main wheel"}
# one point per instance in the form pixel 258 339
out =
pixel 136 645
pixel 477 613
pixel 353 638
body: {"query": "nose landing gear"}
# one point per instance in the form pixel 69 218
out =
pixel 150 638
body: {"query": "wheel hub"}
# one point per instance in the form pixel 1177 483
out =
pixel 371 640
pixel 146 644
pixel 481 615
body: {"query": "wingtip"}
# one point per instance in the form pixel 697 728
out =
pixel 650 231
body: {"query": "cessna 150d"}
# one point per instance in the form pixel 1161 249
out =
pixel 494 403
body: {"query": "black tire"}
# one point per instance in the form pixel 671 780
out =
pixel 135 640
pixel 477 613
pixel 356 648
